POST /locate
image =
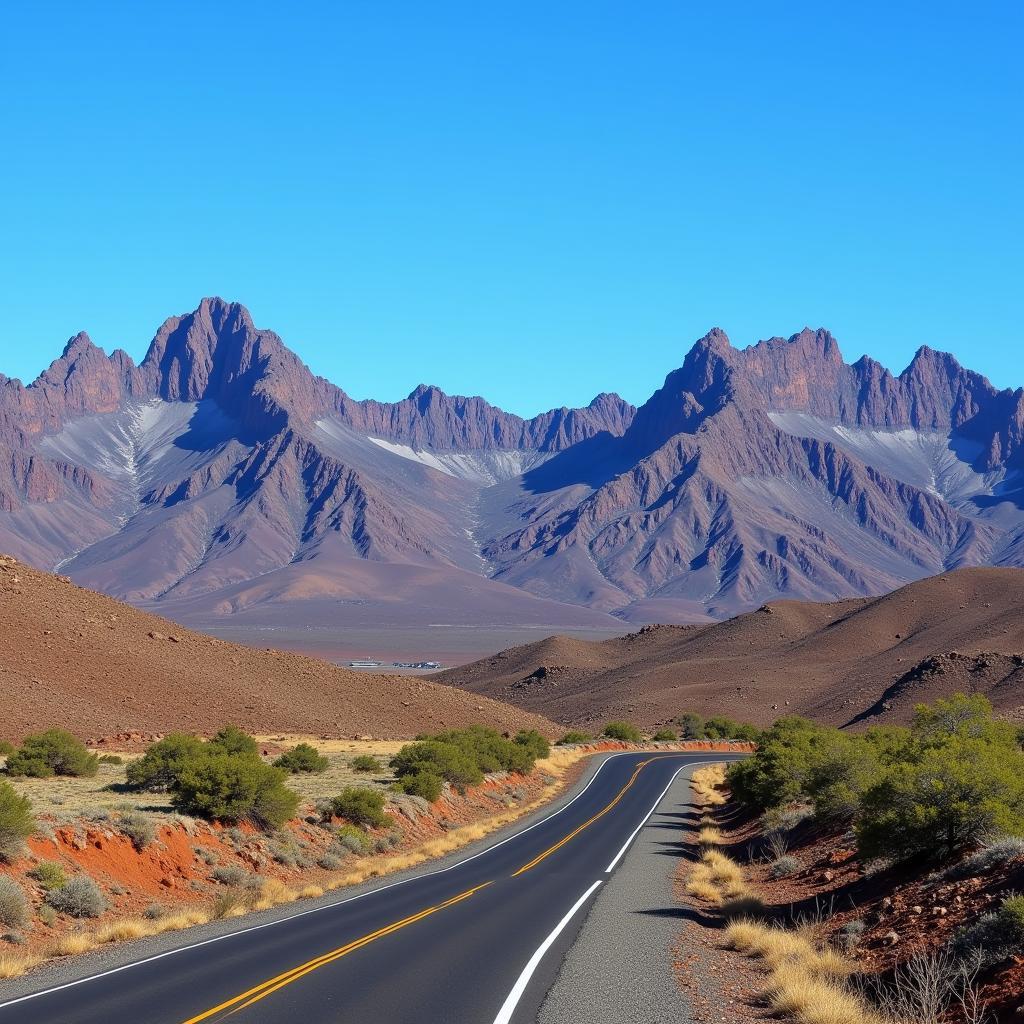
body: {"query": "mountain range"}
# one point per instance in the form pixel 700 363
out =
pixel 223 484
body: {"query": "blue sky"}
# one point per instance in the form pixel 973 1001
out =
pixel 531 201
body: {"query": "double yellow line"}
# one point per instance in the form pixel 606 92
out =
pixel 272 985
pixel 269 987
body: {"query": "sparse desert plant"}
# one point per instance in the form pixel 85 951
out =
pixel 361 805
pixel 302 759
pixel 154 912
pixel 229 874
pixel 352 839
pixel 138 828
pixel 624 731
pixel 987 859
pixel 330 861
pixel 665 736
pixel 784 866
pixel 158 767
pixel 232 788
pixel 423 784
pixel 995 937
pixel 53 752
pixel 366 763
pixel 78 897
pixel 14 907
pixel 851 932
pixel 575 736
pixel 47 915
pixel 49 874
pixel 226 902
pixel 16 822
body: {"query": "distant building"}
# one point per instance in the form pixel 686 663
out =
pixel 365 663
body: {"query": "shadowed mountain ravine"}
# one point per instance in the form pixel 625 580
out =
pixel 223 484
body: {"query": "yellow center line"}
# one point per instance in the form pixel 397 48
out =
pixel 600 814
pixel 264 989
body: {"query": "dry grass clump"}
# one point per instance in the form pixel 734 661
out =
pixel 271 893
pixel 707 783
pixel 716 878
pixel 805 982
pixel 710 835
pixel 14 965
pixel 182 919
pixel 124 931
pixel 72 944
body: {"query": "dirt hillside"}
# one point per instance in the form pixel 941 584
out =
pixel 78 659
pixel 843 662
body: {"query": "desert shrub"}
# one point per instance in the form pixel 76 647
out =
pixel 448 762
pixel 951 796
pixel 158 767
pixel 625 731
pixel 850 933
pixel 783 866
pixel 154 912
pixel 6 749
pixel 665 735
pixel 138 828
pixel 49 874
pixel 330 862
pixel 352 839
pixel 14 911
pixel 361 805
pixel 47 915
pixel 16 822
pixel 229 874
pixel 776 773
pixel 54 752
pixel 229 901
pixel 424 784
pixel 691 726
pixel 232 740
pixel 302 759
pixel 840 770
pixel 987 859
pixel 232 788
pixel 78 897
pixel 534 742
pixel 366 763
pixel 719 727
pixel 575 736
pixel 995 937
pixel 111 759
pixel 962 717
pixel 489 749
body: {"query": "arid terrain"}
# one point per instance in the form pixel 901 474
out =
pixel 842 662
pixel 102 668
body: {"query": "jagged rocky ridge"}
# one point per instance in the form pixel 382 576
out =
pixel 220 475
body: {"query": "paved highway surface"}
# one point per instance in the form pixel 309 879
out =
pixel 476 942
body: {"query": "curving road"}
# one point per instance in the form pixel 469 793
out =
pixel 476 942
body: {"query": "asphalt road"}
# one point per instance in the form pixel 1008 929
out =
pixel 477 942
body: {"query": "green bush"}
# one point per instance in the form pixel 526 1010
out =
pixel 366 763
pixel 158 767
pixel 361 805
pixel 232 740
pixel 303 758
pixel 16 822
pixel 624 731
pixel 841 768
pixel 111 759
pixel 233 787
pixel 6 749
pixel 489 749
pixel 721 728
pixel 777 772
pixel 14 909
pixel 950 797
pixel 574 736
pixel 534 742
pixel 54 752
pixel 424 784
pixel 665 735
pixel 49 874
pixel 79 897
pixel 447 762
pixel 691 726
pixel 352 839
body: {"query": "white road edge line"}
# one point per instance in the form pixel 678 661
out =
pixel 326 906
pixel 510 1004
pixel 647 818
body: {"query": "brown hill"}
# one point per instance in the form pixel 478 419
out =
pixel 843 662
pixel 78 659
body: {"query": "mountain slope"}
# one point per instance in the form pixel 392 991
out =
pixel 843 662
pixel 110 669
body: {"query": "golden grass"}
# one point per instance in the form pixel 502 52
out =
pixel 805 982
pixel 311 892
pixel 14 965
pixel 123 931
pixel 710 835
pixel 182 919
pixel 706 783
pixel 722 869
pixel 73 944
pixel 704 890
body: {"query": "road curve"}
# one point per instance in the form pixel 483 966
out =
pixel 476 942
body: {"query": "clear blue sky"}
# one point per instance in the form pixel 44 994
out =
pixel 530 201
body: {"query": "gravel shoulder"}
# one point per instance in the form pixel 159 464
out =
pixel 622 964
